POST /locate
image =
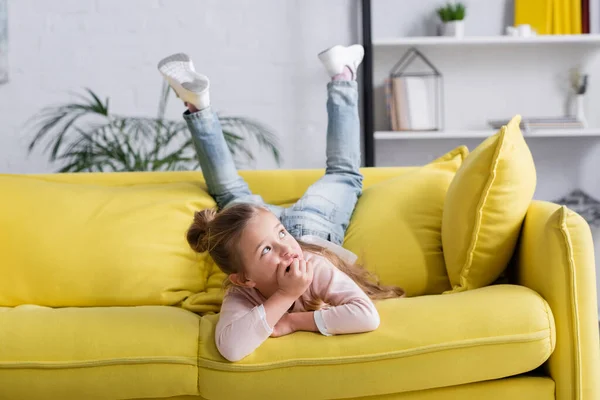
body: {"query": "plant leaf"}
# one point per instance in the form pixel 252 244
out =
pixel 83 136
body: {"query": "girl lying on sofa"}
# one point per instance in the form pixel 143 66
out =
pixel 286 268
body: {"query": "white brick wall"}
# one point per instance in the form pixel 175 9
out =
pixel 260 56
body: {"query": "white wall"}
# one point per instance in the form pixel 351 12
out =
pixel 260 56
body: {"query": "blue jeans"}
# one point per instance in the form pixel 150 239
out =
pixel 326 207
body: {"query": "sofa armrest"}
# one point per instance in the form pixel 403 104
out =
pixel 555 257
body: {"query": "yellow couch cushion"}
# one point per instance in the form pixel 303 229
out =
pixel 285 187
pixel 396 227
pixel 66 244
pixel 516 388
pixel 423 342
pixel 93 239
pixel 98 353
pixel 485 206
pixel 282 186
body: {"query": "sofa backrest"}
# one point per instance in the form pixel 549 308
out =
pixel 94 239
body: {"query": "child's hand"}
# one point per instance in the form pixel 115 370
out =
pixel 284 326
pixel 294 282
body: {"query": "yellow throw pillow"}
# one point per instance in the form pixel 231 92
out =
pixel 396 227
pixel 485 207
pixel 65 244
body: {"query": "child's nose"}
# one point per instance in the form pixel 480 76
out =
pixel 285 250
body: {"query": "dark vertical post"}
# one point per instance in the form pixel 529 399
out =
pixel 367 83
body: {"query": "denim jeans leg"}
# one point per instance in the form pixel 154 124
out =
pixel 334 196
pixel 343 130
pixel 223 181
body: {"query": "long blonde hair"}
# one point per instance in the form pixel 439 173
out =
pixel 219 232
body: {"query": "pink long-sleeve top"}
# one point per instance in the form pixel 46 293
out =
pixel 243 326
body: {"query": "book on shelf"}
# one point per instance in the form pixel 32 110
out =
pixel 389 105
pixel 535 123
pixel 409 103
pixel 553 17
pixel 537 13
pixel 585 16
pixel 594 15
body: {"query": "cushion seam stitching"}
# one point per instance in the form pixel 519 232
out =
pixel 500 340
pixel 99 363
pixel 547 309
pixel 479 215
pixel 573 306
pixel 197 361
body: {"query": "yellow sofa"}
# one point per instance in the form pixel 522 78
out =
pixel 101 298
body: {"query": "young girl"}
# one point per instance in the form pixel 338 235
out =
pixel 286 269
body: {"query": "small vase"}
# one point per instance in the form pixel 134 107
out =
pixel 453 28
pixel 576 108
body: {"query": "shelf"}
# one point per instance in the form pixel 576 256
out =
pixel 482 134
pixel 587 40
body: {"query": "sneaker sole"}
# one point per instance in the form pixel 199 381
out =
pixel 179 57
pixel 195 83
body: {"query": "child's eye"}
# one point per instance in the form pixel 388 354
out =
pixel 281 234
pixel 265 250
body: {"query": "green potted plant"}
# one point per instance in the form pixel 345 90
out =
pixel 84 136
pixel 452 16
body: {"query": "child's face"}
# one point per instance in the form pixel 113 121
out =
pixel 266 245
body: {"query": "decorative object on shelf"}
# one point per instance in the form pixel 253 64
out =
pixel 575 118
pixel 536 123
pixel 523 30
pixel 452 17
pixel 579 83
pixel 3 41
pixel 84 136
pixel 584 205
pixel 414 99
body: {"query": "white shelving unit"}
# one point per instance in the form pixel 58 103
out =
pixel 482 134
pixel 495 70
pixel 579 40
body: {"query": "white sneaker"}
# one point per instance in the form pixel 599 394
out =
pixel 190 86
pixel 337 57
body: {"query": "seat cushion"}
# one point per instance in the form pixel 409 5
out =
pixel 396 227
pixel 522 387
pixel 485 207
pixel 422 343
pixel 98 353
